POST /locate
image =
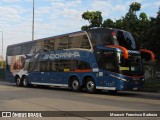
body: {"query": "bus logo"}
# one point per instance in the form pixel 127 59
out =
pixel 61 55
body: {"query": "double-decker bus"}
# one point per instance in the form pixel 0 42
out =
pixel 101 58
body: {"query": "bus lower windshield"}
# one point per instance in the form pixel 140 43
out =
pixel 131 66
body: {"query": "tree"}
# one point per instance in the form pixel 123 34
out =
pixel 108 23
pixel 131 23
pixel 143 16
pixel 142 28
pixel 119 24
pixel 134 7
pixel 152 37
pixel 94 18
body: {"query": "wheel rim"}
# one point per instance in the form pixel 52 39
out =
pixel 90 85
pixel 18 81
pixel 75 84
pixel 25 82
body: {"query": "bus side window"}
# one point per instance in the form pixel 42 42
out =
pixel 60 66
pixel 79 41
pixel 30 66
pixel 48 45
pixel 17 50
pixel 33 48
pixel 37 69
pixel 10 51
pixel 85 42
pixel 26 49
pixel 44 66
pixel 53 66
pixel 83 65
pixel 57 66
pixel 61 43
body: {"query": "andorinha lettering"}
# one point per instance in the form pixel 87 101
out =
pixel 61 55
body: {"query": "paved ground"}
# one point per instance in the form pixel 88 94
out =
pixel 14 98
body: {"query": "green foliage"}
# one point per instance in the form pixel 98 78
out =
pixel 143 17
pixel 146 31
pixel 108 23
pixel 152 35
pixel 119 24
pixel 135 6
pixel 94 18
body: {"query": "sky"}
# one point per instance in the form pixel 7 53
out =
pixel 55 17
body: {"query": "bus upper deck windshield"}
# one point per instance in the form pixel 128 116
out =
pixel 112 37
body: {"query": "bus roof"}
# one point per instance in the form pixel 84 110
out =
pixel 63 35
pixel 57 36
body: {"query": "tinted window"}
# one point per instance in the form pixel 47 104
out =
pixel 56 43
pixel 76 40
pixel 30 66
pixel 131 66
pixel 17 50
pixel 45 66
pixel 100 36
pixel 126 40
pixel 26 49
pixel 49 44
pixel 107 61
pixel 32 48
pixel 10 51
pixel 61 43
pixel 63 65
pixel 79 41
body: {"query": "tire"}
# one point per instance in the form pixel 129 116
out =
pixel 18 81
pixel 90 86
pixel 25 82
pixel 75 85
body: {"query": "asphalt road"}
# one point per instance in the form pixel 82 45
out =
pixel 14 98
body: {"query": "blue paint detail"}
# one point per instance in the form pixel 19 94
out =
pixel 62 77
pixel 123 85
pixel 105 81
pixel 103 47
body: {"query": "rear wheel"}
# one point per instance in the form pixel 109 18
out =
pixel 18 82
pixel 75 85
pixel 90 86
pixel 25 82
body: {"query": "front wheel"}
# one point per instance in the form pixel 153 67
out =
pixel 90 86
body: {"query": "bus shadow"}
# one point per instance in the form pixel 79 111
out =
pixel 137 94
pixel 131 94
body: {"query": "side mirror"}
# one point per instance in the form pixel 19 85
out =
pixel 147 55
